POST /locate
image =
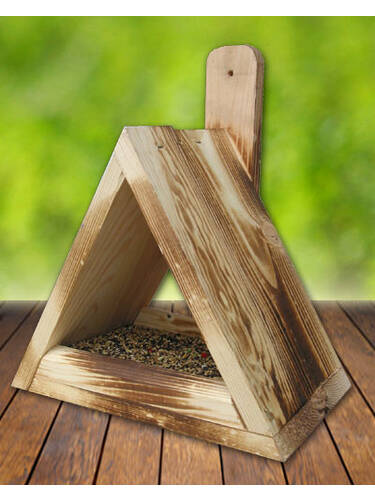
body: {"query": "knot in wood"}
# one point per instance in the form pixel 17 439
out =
pixel 270 233
pixel 320 402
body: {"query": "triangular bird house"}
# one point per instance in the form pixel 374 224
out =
pixel 188 200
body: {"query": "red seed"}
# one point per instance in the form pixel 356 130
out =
pixel 204 355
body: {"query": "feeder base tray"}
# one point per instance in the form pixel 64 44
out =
pixel 182 353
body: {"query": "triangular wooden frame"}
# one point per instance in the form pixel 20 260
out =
pixel 188 200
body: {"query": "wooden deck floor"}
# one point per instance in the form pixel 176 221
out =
pixel 44 441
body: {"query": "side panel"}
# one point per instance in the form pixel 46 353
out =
pixel 112 270
pixel 232 268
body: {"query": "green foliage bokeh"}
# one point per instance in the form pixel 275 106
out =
pixel 69 85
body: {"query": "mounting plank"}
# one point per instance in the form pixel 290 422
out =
pixel 234 98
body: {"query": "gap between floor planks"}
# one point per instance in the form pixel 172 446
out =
pixel 96 434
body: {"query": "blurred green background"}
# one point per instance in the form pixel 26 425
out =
pixel 69 85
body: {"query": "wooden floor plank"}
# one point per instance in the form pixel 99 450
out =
pixel 352 423
pixel 243 468
pixel 316 462
pixel 75 449
pixel 352 426
pixel 12 314
pixel 187 460
pixel 23 429
pixel 131 453
pixel 11 355
pixel 72 451
pixel 354 351
pixel 362 313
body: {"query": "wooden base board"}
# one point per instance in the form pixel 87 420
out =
pixel 190 405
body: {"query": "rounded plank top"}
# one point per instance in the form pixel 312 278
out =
pixel 234 97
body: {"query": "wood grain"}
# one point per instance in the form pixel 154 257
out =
pixel 234 95
pixel 362 313
pixel 11 355
pixel 198 397
pixel 72 451
pixel 113 257
pixel 92 292
pixel 167 321
pixel 242 468
pixel 201 429
pixel 352 425
pixel 280 372
pixel 251 309
pixel 316 462
pixel 137 460
pixel 355 352
pixel 326 397
pixel 23 429
pixel 200 461
pixel 12 314
pixel 131 453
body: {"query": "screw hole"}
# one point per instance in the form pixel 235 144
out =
pixel 230 72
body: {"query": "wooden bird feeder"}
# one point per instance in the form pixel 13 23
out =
pixel 188 200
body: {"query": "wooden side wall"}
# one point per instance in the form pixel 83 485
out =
pixel 232 268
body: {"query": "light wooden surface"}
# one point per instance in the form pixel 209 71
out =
pixel 167 321
pixel 136 453
pixel 234 98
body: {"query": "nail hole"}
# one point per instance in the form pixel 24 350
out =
pixel 169 316
pixel 230 72
pixel 160 146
